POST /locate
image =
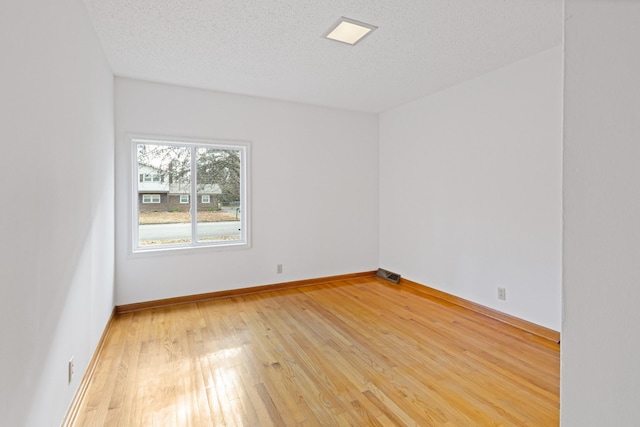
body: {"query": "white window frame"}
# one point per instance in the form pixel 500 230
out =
pixel 208 199
pixel 152 177
pixel 184 199
pixel 152 198
pixel 244 147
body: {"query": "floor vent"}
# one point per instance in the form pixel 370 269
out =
pixel 392 277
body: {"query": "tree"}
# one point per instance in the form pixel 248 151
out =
pixel 220 167
pixel 214 166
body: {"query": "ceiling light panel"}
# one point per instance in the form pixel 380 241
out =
pixel 349 31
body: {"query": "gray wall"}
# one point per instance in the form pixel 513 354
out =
pixel 56 245
pixel 314 198
pixel 470 189
pixel 600 378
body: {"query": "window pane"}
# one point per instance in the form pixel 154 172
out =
pixel 218 189
pixel 189 194
pixel 164 217
pixel 150 198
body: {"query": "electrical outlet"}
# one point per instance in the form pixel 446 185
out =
pixel 502 294
pixel 70 369
pixel 279 269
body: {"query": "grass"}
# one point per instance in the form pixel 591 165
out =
pixel 180 241
pixel 182 217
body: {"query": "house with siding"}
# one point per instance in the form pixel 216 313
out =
pixel 158 192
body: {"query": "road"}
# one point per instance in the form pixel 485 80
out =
pixel 206 230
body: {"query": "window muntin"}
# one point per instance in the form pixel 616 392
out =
pixel 150 177
pixel 203 171
pixel 150 198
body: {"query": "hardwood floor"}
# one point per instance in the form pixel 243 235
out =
pixel 361 352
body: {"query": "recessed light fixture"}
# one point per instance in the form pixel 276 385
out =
pixel 349 31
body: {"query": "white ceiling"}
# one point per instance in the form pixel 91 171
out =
pixel 274 48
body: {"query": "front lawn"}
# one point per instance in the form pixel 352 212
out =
pixel 184 217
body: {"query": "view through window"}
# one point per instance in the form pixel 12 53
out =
pixel 189 194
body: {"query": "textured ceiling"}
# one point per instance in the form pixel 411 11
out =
pixel 274 48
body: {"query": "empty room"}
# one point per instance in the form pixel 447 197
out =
pixel 320 213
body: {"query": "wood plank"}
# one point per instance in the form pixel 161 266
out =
pixel 147 305
pixel 532 328
pixel 72 411
pixel 359 351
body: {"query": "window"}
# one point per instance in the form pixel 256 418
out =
pixel 150 177
pixel 190 170
pixel 150 198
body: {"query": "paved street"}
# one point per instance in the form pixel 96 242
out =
pixel 206 230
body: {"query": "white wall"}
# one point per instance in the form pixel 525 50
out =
pixel 56 217
pixel 601 267
pixel 470 193
pixel 315 190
